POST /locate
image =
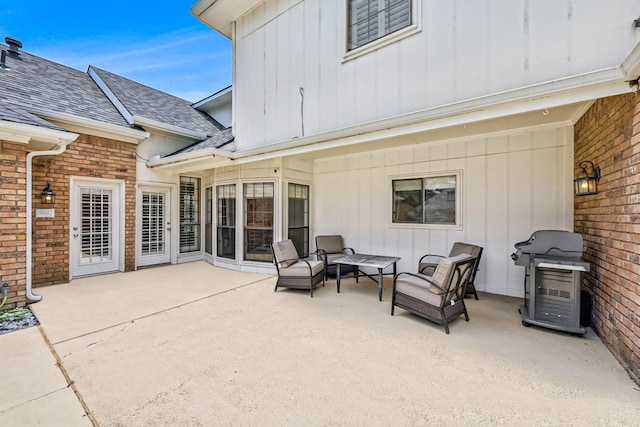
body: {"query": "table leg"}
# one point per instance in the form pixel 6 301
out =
pixel 338 277
pixel 380 284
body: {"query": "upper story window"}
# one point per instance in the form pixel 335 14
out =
pixel 370 20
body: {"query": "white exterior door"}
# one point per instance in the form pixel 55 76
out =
pixel 154 226
pixel 95 227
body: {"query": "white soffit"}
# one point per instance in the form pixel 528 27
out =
pixel 219 14
pixel 40 137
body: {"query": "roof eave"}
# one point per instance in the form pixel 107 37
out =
pixel 92 127
pixel 211 157
pixel 167 128
pixel 25 134
pixel 219 14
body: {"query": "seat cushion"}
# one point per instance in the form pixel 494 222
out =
pixel 301 269
pixel 419 289
pixel 285 253
pixel 330 244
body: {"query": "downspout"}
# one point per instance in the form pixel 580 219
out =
pixel 60 149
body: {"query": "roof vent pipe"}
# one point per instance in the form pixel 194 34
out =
pixel 3 60
pixel 14 44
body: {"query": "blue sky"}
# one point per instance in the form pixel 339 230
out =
pixel 156 43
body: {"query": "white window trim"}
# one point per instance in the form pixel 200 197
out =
pixel 285 210
pixel 276 222
pixel 391 38
pixel 459 201
pixel 215 256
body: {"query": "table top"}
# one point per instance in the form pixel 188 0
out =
pixel 377 261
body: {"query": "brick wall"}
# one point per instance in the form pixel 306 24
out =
pixel 88 156
pixel 609 135
pixel 13 223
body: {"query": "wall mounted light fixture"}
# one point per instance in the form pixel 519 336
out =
pixel 586 183
pixel 48 196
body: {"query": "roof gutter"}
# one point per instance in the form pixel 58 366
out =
pixel 190 157
pixel 24 133
pixel 177 130
pixel 29 249
pixel 92 127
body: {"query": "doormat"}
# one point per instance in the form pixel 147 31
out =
pixel 16 319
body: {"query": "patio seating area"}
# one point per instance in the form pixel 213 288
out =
pixel 192 344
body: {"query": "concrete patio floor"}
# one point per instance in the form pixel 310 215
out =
pixel 195 345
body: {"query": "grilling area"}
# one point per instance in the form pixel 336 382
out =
pixel 191 343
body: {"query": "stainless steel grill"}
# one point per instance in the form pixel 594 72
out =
pixel 553 261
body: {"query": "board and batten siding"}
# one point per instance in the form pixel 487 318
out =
pixel 465 49
pixel 512 185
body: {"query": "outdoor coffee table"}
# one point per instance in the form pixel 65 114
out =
pixel 361 260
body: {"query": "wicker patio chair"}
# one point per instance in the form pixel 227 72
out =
pixel 294 272
pixel 438 298
pixel 428 263
pixel 330 247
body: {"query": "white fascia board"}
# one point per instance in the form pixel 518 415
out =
pixel 193 156
pixel 111 96
pixel 219 14
pixel 164 127
pixel 24 133
pixel 91 127
pixel 551 94
pixel 222 95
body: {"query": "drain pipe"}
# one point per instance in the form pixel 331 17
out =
pixel 58 150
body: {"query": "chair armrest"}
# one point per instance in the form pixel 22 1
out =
pixel 349 249
pixel 421 277
pixel 428 255
pixel 308 265
pixel 322 254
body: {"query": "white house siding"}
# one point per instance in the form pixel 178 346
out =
pixel 512 185
pixel 465 49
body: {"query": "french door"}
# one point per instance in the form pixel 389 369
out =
pixel 154 226
pixel 96 212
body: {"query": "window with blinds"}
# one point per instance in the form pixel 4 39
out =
pixel 370 20
pixel 189 214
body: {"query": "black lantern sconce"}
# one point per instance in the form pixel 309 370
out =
pixel 587 183
pixel 48 196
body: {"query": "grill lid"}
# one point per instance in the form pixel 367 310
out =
pixel 550 243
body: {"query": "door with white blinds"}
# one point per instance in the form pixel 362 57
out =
pixel 190 234
pixel 154 226
pixel 95 227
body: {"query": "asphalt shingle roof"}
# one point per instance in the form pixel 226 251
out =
pixel 13 113
pixel 32 85
pixel 219 140
pixel 37 83
pixel 149 103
